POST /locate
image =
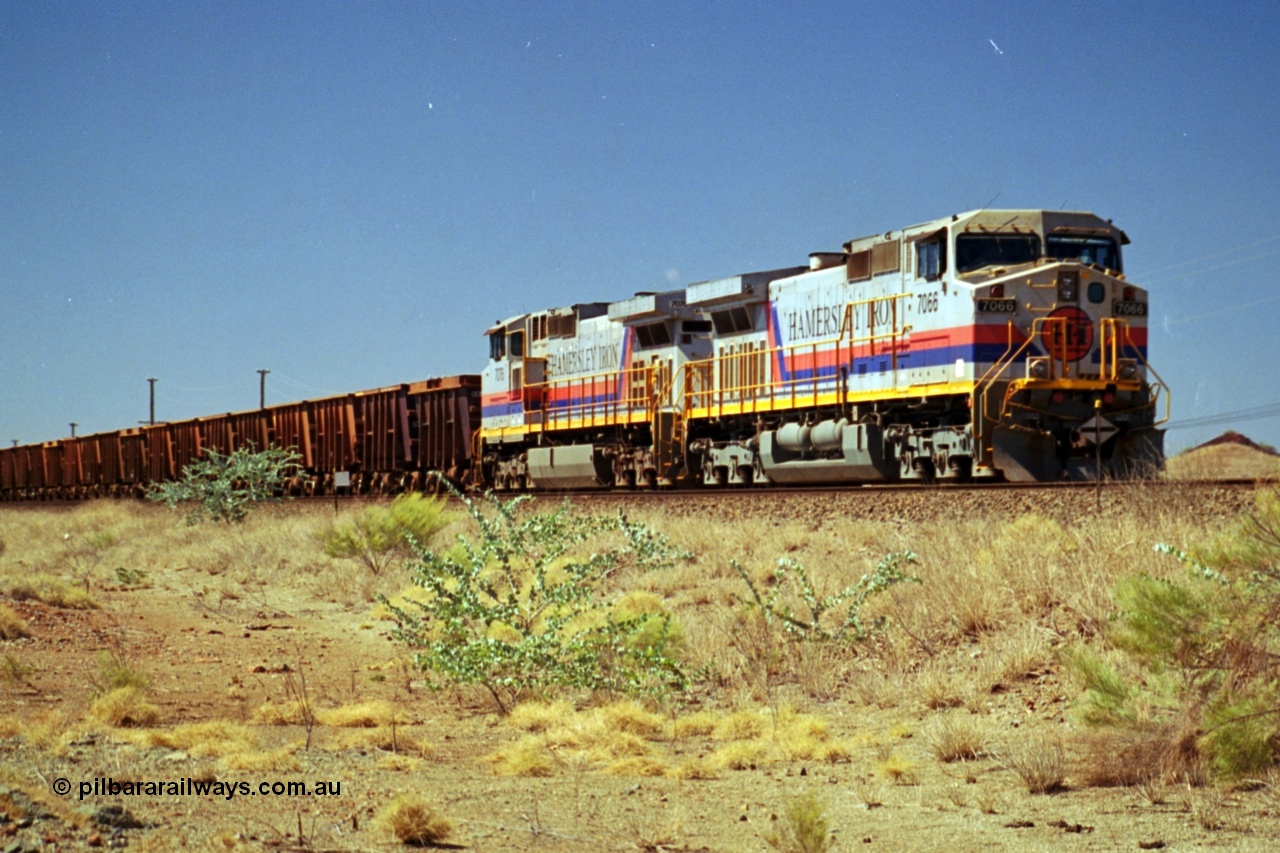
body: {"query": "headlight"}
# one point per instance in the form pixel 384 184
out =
pixel 1068 286
pixel 1038 368
pixel 1128 369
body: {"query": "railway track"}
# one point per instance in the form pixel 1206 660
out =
pixel 1070 504
pixel 891 488
pixel 1074 502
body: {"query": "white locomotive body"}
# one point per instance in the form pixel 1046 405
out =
pixel 991 344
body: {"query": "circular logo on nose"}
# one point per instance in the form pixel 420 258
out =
pixel 1067 333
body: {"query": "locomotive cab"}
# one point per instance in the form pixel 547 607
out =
pixel 1070 394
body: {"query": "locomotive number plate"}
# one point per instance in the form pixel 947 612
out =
pixel 998 306
pixel 1121 308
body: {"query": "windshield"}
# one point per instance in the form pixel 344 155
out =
pixel 1100 251
pixel 974 251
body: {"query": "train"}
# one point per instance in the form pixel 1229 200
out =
pixel 379 441
pixel 990 345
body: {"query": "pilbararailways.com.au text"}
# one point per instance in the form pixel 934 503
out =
pixel 188 787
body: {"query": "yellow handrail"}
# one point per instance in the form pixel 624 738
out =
pixel 1059 366
pixel 709 385
pixel 1111 327
pixel 635 397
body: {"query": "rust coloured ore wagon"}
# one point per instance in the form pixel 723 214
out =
pixel 385 440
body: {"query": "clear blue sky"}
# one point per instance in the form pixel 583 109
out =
pixel 347 194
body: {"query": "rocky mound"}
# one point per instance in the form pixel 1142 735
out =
pixel 1230 456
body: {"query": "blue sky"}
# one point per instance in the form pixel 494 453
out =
pixel 347 194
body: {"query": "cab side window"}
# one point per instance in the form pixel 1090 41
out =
pixel 931 259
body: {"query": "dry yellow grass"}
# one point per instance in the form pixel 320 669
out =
pixel 697 724
pixel 693 770
pixel 399 763
pixel 636 765
pixel 362 715
pixel 50 731
pixel 124 707
pixel 290 713
pixel 399 740
pixel 281 760
pixel 1223 461
pixel 958 737
pixel 741 725
pixel 526 757
pixel 633 718
pixel 48 589
pixel 208 739
pixel 538 716
pixel 1000 596
pixel 12 626
pixel 413 821
pixel 742 755
pixel 896 768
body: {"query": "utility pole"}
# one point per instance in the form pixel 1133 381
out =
pixel 73 429
pixel 152 381
pixel 262 388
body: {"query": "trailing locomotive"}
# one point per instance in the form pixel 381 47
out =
pixel 993 344
pixel 989 345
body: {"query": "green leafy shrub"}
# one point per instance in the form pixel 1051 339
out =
pixel 1204 655
pixel 226 487
pixel 114 673
pixel 813 623
pixel 379 535
pixel 520 607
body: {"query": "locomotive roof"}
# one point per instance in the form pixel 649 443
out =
pixel 1037 221
pixel 583 310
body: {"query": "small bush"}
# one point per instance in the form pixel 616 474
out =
pixel 804 827
pixel 519 608
pixel 17 671
pixel 398 740
pixel 363 715
pixel 209 739
pixel 49 590
pixel 226 487
pixel 957 738
pixel 655 627
pixel 527 757
pixel 413 821
pixel 123 707
pixel 280 760
pixel 1202 654
pixel 1148 754
pixel 741 755
pixel 380 535
pixel 834 617
pixel 892 766
pixel 1040 762
pixel 538 716
pixel 290 713
pixel 114 672
pixel 12 626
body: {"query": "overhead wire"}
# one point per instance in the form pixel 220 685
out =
pixel 1254 413
pixel 1146 275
